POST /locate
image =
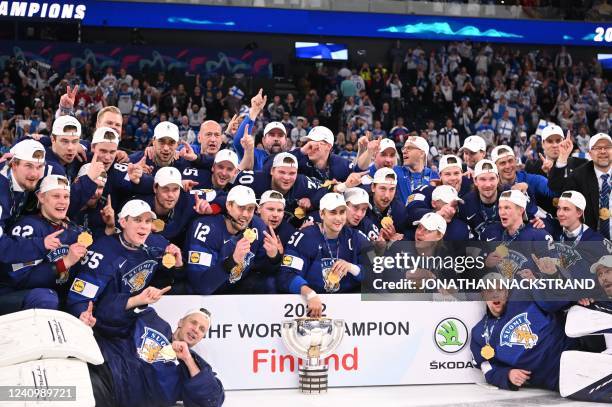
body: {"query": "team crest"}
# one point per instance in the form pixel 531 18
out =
pixel 137 277
pixel 151 345
pixel 518 332
pixel 511 264
pixel 326 265
pixel 55 255
pixel 568 255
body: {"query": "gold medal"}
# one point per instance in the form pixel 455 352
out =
pixel 299 213
pixel 502 250
pixel 167 353
pixel 328 183
pixel 250 235
pixel 387 221
pixel 487 352
pixel 555 202
pixel 604 213
pixel 333 278
pixel 168 261
pixel 85 239
pixel 158 225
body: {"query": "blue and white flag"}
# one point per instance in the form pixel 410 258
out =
pixel 541 124
pixel 140 107
pixel 236 92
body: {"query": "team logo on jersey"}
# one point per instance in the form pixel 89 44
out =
pixel 137 277
pixel 55 255
pixel 511 264
pixel 518 332
pixel 151 345
pixel 333 285
pixel 568 255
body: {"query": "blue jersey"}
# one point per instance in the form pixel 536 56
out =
pixel 528 335
pixel 141 376
pixel 408 181
pixel 39 273
pixel 90 218
pixel 309 257
pixel 210 248
pixel 478 215
pixel 304 187
pixel 112 272
pixel 366 226
pixel 179 164
pixel 260 154
pixel 337 168
pixel 396 210
pixel 13 199
pixel 120 188
pixel 80 191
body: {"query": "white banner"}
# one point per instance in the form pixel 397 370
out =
pixel 385 343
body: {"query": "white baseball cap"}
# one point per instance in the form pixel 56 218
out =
pixel 550 130
pixel 242 196
pixel 382 175
pixel 136 207
pixel 501 151
pixel 285 160
pixel 85 167
pixel 357 196
pixel 166 129
pixel 275 125
pixel 450 161
pixel 515 196
pixel 51 182
pixel 227 155
pixel 331 201
pixel 597 137
pixel 385 144
pixel 29 150
pixel 485 167
pixel 321 133
pixel 419 142
pixel 432 221
pixel 575 198
pixel 105 135
pixel 605 261
pixel 271 196
pixel 62 122
pixel 168 175
pixel 475 144
pixel 446 194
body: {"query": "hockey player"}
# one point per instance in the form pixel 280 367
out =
pixel 357 205
pixel 97 217
pixel 480 207
pixel 42 283
pixel 387 213
pixel 323 258
pixel 121 266
pixel 379 153
pixel 299 190
pixel 224 169
pixel 474 149
pixel 18 180
pixel 224 249
pixel 414 172
pixel 146 364
pixel 519 343
pixel 272 211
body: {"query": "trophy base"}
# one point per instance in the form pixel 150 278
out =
pixel 313 379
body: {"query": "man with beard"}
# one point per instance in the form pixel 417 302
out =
pixel 272 211
pixel 382 150
pixel 414 171
pixel 387 213
pixel 224 249
pixel 480 206
pixel 224 169
pixel 18 179
pixel 301 193
pixel 118 268
pixel 274 136
pixel 592 179
pixel 41 283
pixel 323 258
pixel 357 205
pixel 552 136
pixel 505 160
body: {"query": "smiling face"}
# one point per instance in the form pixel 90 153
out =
pixel 272 213
pixel 283 178
pixel 601 153
pixel 386 158
pixel 334 220
pixel 136 229
pixel 222 173
pixel 54 204
pixel 487 185
pixel 506 166
pixel 452 176
pixel 106 152
pixel 191 329
pixel 240 215
pixel 27 173
pixel 569 216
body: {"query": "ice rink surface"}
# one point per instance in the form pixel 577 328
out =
pixel 458 395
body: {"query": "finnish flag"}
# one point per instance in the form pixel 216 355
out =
pixel 236 92
pixel 541 125
pixel 140 107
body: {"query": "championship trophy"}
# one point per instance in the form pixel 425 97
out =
pixel 313 339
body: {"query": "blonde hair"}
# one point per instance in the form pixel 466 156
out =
pixel 112 109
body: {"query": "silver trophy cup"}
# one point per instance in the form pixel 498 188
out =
pixel 313 340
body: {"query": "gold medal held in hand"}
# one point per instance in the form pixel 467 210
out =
pixel 299 212
pixel 158 225
pixel 167 353
pixel 502 250
pixel 333 278
pixel 604 213
pixel 85 239
pixel 168 261
pixel 250 235
pixel 487 352
pixel 387 221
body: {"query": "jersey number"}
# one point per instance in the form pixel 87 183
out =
pixel 201 232
pixel 92 259
pixel 247 177
pixel 190 172
pixel 23 231
pixel 295 238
